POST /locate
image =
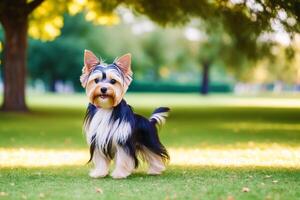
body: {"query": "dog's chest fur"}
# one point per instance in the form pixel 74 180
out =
pixel 110 127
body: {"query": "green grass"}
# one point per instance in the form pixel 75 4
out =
pixel 215 122
pixel 176 183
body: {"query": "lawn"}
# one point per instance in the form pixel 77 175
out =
pixel 219 145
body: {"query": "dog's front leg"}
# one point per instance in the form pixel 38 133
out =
pixel 101 165
pixel 124 164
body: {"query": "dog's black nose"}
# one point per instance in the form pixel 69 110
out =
pixel 103 90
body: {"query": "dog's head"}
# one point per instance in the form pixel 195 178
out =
pixel 105 84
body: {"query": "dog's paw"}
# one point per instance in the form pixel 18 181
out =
pixel 119 174
pixel 156 170
pixel 97 173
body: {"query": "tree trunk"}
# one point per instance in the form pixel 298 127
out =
pixel 52 85
pixel 15 45
pixel 204 88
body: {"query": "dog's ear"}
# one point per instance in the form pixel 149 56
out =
pixel 124 64
pixel 90 61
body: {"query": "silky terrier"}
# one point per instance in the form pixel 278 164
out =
pixel 113 130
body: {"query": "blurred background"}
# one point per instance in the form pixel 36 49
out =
pixel 241 54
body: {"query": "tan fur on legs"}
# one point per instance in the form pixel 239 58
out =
pixel 156 164
pixel 101 165
pixel 124 164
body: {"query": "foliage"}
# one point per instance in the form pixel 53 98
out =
pixel 233 27
pixel 279 68
pixel 60 59
pixel 243 20
pixel 156 54
pixel 47 20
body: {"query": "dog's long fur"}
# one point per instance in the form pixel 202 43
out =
pixel 116 132
pixel 125 128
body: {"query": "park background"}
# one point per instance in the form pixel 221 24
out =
pixel 229 71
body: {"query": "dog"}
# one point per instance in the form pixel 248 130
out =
pixel 113 131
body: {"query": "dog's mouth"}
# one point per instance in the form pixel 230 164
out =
pixel 103 101
pixel 104 96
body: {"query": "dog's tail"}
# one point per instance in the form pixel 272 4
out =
pixel 159 116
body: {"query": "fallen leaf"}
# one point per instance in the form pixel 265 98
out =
pixel 42 195
pixel 122 194
pixel 275 181
pixel 99 190
pixel 68 141
pixel 2 194
pixel 174 196
pixel 38 173
pixel 268 198
pixel 245 189
pixel 230 197
pixel 268 176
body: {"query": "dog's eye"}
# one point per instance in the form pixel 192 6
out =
pixel 97 80
pixel 113 81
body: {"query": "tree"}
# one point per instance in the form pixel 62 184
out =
pixel 245 20
pixel 220 48
pixel 50 61
pixel 242 21
pixel 15 17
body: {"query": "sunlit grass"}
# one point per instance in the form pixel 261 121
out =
pixel 274 156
